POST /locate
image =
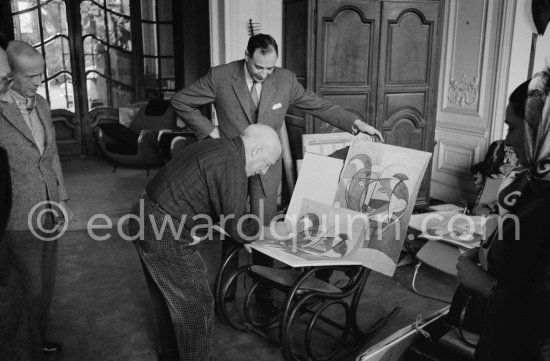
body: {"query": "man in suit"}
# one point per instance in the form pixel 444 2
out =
pixel 251 91
pixel 27 134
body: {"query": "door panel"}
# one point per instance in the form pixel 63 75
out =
pixel 407 129
pixel 407 77
pixel 347 43
pixel 353 103
pixel 408 39
pixel 346 55
pixel 396 101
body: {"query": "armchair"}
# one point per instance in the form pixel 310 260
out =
pixel 136 145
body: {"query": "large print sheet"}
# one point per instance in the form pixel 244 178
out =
pixel 377 184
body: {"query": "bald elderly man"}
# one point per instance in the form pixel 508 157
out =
pixel 208 179
pixel 27 134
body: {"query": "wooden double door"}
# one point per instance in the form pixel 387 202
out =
pixel 378 59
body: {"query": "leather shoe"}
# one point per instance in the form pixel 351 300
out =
pixel 50 347
pixel 267 306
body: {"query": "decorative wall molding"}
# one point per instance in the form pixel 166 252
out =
pixel 463 90
pixel 502 68
pixel 469 27
pixel 455 158
pixel 471 111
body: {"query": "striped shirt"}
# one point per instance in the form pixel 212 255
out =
pixel 205 179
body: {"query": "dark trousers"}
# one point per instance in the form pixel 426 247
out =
pixel 183 305
pixel 260 204
pixel 35 263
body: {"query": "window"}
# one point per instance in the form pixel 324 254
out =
pixel 43 24
pixel 103 53
pixel 158 48
pixel 108 57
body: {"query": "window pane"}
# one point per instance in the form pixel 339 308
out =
pixel 169 84
pixel 26 27
pixel 54 17
pixel 165 11
pixel 149 39
pixel 148 10
pixel 151 67
pixel 22 4
pixel 93 20
pixel 166 40
pixel 61 92
pixel 119 31
pixel 120 6
pixel 97 91
pixel 122 97
pixel 167 67
pixel 57 56
pixel 122 66
pixel 42 90
pixel 95 55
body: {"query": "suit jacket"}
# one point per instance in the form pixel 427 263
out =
pixel 5 190
pixel 35 177
pixel 225 87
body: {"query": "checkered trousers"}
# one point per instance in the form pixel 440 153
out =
pixel 176 277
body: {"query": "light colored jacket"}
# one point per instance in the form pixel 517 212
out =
pixel 35 177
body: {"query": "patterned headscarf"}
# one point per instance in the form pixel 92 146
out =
pixel 537 144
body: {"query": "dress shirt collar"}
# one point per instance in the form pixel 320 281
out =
pixel 22 102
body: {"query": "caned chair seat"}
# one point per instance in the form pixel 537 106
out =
pixel 288 277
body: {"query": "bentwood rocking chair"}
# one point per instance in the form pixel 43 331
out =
pixel 309 309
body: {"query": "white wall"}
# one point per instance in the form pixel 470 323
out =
pixel 229 26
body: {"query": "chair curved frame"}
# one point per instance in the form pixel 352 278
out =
pixel 299 301
pixel 148 154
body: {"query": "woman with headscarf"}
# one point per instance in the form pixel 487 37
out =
pixel 514 274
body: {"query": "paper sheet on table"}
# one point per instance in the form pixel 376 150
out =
pixel 453 227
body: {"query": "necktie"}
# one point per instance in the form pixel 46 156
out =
pixel 254 94
pixel 255 100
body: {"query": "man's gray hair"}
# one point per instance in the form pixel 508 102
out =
pixel 260 134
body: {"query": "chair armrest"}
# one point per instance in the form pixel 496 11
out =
pixel 147 136
pixel 166 137
pixel 173 133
